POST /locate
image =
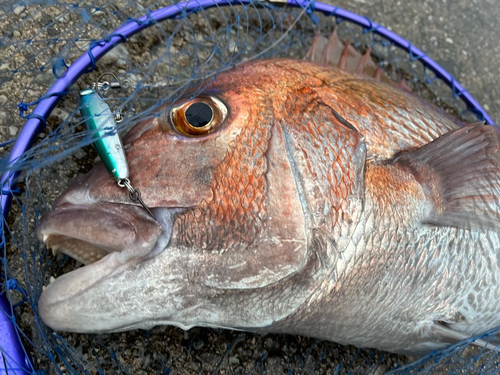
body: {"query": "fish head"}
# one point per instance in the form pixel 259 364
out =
pixel 226 173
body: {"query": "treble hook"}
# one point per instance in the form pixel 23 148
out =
pixel 135 195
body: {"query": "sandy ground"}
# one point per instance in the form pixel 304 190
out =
pixel 459 34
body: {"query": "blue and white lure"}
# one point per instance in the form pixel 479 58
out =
pixel 102 123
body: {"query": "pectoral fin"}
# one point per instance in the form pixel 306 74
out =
pixel 451 336
pixel 460 174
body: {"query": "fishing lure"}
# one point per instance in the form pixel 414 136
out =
pixel 102 123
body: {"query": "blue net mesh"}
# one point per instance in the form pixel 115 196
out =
pixel 39 40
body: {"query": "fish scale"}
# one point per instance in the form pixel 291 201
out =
pixel 357 279
pixel 385 141
pixel 243 224
pixel 317 161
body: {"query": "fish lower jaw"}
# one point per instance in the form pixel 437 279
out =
pixel 65 290
pixel 151 324
pixel 182 325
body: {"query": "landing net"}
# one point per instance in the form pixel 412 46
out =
pixel 39 41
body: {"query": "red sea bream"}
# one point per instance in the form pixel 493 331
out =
pixel 313 202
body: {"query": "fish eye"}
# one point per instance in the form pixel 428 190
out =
pixel 198 116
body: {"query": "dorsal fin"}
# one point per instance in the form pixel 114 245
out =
pixel 333 52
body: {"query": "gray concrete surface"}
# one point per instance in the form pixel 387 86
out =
pixel 461 35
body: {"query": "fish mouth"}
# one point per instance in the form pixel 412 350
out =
pixel 88 233
pixel 82 251
pixel 107 238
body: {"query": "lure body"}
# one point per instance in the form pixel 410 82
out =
pixel 99 119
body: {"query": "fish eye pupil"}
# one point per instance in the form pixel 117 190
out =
pixel 199 114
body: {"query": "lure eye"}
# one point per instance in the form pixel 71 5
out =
pixel 199 116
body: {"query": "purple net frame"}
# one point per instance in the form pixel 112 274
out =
pixel 12 352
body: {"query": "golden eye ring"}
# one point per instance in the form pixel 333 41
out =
pixel 198 116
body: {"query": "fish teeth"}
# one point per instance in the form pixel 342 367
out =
pixel 51 280
pixel 55 249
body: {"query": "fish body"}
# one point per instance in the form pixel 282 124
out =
pixel 312 202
